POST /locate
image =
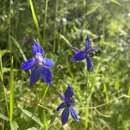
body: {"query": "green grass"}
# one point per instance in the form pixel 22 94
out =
pixel 102 97
pixel 11 91
pixel 34 16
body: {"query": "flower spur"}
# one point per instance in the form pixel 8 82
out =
pixel 67 104
pixel 39 66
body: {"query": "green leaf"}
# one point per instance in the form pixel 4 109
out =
pixel 32 116
pixel 93 7
pixel 116 2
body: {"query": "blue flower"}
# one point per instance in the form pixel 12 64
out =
pixel 84 54
pixel 67 104
pixel 39 65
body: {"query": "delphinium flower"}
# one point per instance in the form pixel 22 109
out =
pixel 67 105
pixel 39 65
pixel 85 54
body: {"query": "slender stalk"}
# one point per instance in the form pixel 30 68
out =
pixel 3 86
pixel 9 23
pixel 90 92
pixel 40 99
pixel 11 91
pixel 35 19
pixel 15 42
pixel 55 25
pixel 44 24
pixel 45 92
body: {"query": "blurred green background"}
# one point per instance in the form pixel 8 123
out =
pixel 102 96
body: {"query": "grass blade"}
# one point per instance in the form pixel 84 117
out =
pixel 66 40
pixel 115 2
pixel 3 86
pixel 32 116
pixel 11 91
pixel 45 20
pixel 34 17
pixel 19 47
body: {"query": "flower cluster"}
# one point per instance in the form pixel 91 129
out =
pixel 41 68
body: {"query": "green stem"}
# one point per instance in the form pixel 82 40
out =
pixel 55 25
pixel 9 24
pixel 35 19
pixel 11 91
pixel 40 100
pixel 45 20
pixel 45 92
pixel 3 86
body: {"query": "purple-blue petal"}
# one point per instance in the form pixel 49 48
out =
pixel 48 62
pixel 69 92
pixel 28 64
pixel 65 115
pixel 87 43
pixel 62 105
pixel 89 63
pixel 73 113
pixel 37 48
pixel 46 75
pixel 35 76
pixel 80 55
